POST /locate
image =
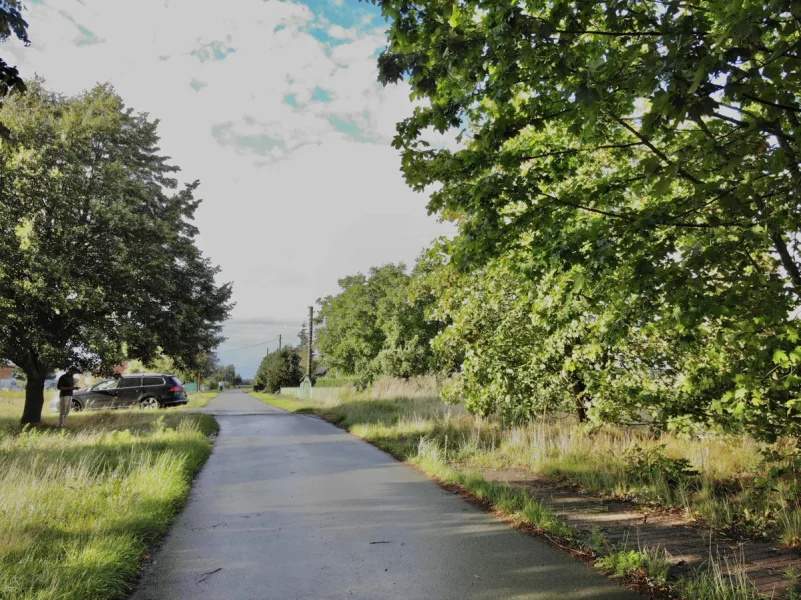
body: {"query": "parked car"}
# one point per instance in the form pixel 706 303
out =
pixel 143 390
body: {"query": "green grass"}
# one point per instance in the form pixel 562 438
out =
pixel 79 507
pixel 11 403
pixel 200 399
pixel 721 581
pixel 649 562
pixel 287 404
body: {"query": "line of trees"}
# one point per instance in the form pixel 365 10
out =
pixel 626 188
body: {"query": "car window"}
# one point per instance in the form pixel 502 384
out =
pixel 130 382
pixel 153 381
pixel 107 384
pixel 175 380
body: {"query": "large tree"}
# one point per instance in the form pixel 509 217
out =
pixel 646 151
pixel 98 260
pixel 279 369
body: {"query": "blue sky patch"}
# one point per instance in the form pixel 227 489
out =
pixel 352 13
pixel 197 85
pixel 321 95
pixel 349 14
pixel 87 38
pixel 349 127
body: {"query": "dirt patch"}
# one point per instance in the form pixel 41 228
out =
pixel 689 547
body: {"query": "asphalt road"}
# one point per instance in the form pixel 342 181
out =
pixel 288 506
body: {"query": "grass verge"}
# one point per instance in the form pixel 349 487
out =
pixel 200 399
pixel 81 507
pixel 449 445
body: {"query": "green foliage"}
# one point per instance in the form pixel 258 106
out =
pixel 623 562
pixel 647 464
pixel 597 541
pixel 635 165
pixel 98 260
pixel 373 327
pixel 334 382
pixel 279 369
pixel 226 373
pixel 11 25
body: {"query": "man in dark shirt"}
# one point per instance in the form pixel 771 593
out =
pixel 66 385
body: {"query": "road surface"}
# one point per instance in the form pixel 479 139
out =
pixel 290 507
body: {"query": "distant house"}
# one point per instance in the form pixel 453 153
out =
pixel 6 372
pixel 321 372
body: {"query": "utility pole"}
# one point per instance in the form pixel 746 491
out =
pixel 279 342
pixel 311 340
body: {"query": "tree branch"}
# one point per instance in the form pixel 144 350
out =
pixel 787 261
pixel 654 149
pixel 577 150
pixel 773 104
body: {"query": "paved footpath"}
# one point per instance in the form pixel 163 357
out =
pixel 289 507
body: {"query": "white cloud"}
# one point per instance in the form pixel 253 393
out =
pixel 340 33
pixel 292 202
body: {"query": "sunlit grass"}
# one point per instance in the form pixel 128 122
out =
pixel 80 506
pixel 602 461
pixel 200 399
pixel 720 580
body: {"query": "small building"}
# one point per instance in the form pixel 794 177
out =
pixel 321 372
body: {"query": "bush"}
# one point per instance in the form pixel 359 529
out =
pixel 279 369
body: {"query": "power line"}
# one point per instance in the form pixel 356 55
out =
pixel 253 346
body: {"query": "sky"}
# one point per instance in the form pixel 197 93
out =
pixel 274 106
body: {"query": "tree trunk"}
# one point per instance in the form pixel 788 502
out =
pixel 787 261
pixel 34 396
pixel 579 388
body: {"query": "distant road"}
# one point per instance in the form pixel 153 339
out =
pixel 289 507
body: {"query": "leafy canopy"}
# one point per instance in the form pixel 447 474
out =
pixel 373 327
pixel 279 369
pixel 98 260
pixel 643 155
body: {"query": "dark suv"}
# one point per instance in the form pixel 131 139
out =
pixel 143 390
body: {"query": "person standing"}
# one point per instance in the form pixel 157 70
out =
pixel 221 385
pixel 65 385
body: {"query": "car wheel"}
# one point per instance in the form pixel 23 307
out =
pixel 76 406
pixel 149 404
